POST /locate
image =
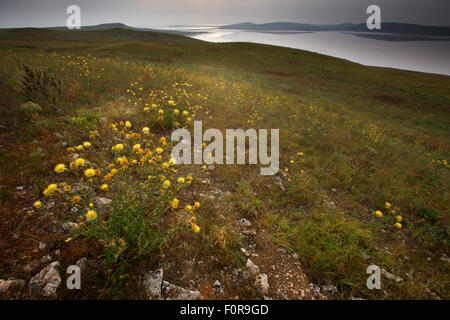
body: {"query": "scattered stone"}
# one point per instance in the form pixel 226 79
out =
pixel 252 268
pixel 78 188
pixel 100 201
pixel 444 258
pixel 57 252
pixel 42 246
pixel 391 276
pixel 249 232
pixel 69 226
pixel 278 182
pixel 331 205
pixel 211 167
pixel 173 292
pixel 74 210
pixel 11 285
pixel 245 223
pixel 282 250
pixel 46 282
pixel 262 284
pixel 217 287
pixel 294 256
pixel 153 282
pixel 247 254
pixel 329 289
pixel 46 259
pixel 49 205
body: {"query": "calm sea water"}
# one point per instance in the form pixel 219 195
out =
pixel 424 55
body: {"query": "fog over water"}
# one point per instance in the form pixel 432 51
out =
pixel 424 55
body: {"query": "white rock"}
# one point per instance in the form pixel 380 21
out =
pixel 172 292
pixel 100 201
pixel 391 276
pixel 46 259
pixel 42 246
pixel 46 282
pixel 16 285
pixel 69 226
pixel 217 287
pixel 245 223
pixel 252 268
pixel 262 284
pixel 153 282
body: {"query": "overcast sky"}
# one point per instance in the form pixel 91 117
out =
pixel 147 13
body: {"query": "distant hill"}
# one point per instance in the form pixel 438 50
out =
pixel 111 26
pixel 401 28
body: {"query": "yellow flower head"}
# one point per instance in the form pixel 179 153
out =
pixel 398 225
pixel 166 184
pixel 188 208
pixel 80 162
pixel 388 205
pixel 175 203
pixel 159 150
pixel 399 218
pixel 146 130
pixel 87 144
pixel 378 213
pixel 160 112
pixel 37 204
pixel 119 147
pixel 185 113
pixel 60 168
pixel 195 227
pixel 197 204
pixel 104 187
pixel 128 124
pixel 50 189
pixel 136 147
pixel 91 215
pixel 76 199
pixel 181 180
pixel 176 112
pixel 89 173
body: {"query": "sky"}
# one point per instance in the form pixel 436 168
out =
pixel 148 13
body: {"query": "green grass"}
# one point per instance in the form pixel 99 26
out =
pixel 369 136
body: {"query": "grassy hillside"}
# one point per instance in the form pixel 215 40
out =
pixel 354 140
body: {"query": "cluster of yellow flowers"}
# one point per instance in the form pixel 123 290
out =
pixel 398 218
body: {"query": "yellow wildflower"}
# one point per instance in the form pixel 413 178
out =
pixel 166 184
pixel 89 173
pixel 59 168
pixel 91 215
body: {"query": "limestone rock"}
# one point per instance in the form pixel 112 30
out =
pixel 46 282
pixel 262 284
